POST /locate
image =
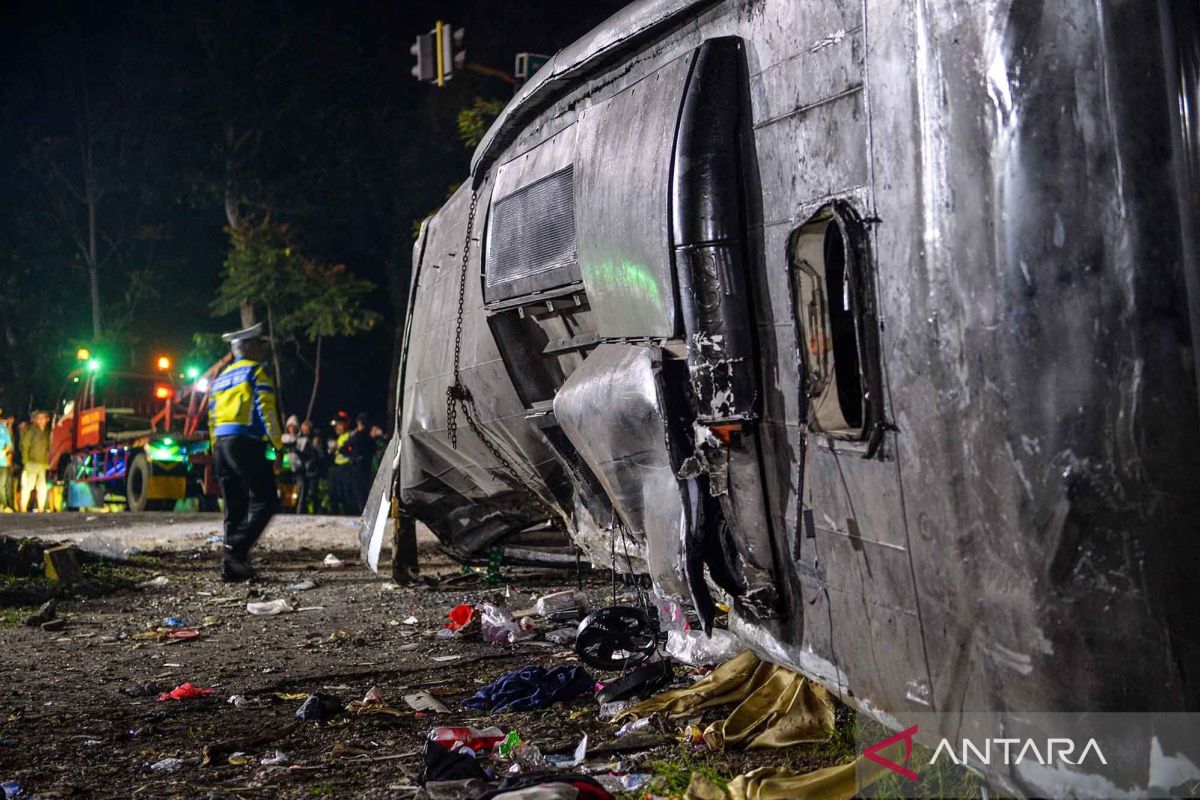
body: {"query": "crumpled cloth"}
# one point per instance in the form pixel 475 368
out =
pixel 775 783
pixel 532 687
pixel 776 707
pixel 185 691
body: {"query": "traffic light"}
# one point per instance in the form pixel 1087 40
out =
pixel 193 373
pixel 82 354
pixel 164 363
pixel 162 392
pixel 439 53
pixel 454 55
pixel 426 52
pixel 93 365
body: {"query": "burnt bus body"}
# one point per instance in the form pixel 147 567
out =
pixel 879 318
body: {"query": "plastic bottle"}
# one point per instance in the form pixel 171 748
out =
pixel 467 736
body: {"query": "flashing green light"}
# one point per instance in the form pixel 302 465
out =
pixel 193 373
pixel 168 441
pixel 93 365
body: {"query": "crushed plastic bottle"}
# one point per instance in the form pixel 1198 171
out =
pixel 630 727
pixel 610 710
pixel 167 765
pixel 529 758
pixel 12 790
pixel 467 736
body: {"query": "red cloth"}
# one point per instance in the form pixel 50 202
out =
pixel 460 616
pixel 185 691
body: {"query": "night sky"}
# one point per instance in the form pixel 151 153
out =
pixel 335 139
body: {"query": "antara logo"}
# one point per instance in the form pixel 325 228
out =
pixel 1056 751
pixel 993 751
pixel 907 735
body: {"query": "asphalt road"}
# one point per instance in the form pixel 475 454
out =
pixel 114 534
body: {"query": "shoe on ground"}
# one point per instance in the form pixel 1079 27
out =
pixel 233 571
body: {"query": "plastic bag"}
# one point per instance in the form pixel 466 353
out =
pixel 498 625
pixel 696 649
pixel 269 608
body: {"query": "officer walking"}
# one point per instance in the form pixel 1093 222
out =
pixel 242 418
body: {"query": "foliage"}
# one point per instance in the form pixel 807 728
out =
pixel 474 121
pixel 330 304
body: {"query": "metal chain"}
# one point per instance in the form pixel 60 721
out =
pixel 458 395
pixel 456 391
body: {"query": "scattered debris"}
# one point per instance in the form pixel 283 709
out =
pixel 319 707
pixel 562 606
pixel 694 648
pixel 279 759
pixel 302 586
pixel 54 625
pixel 160 580
pixel 269 608
pixel 632 726
pixel 411 620
pixel 47 612
pixel 185 691
pixel 167 765
pixel 498 625
pixel 217 752
pixel 474 739
pixel 424 701
pixel 242 701
pixel 333 561
pixel 61 564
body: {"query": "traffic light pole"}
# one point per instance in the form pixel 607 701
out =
pixel 483 69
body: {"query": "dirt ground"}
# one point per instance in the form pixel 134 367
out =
pixel 79 715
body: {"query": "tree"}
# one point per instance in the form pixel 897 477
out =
pixel 331 306
pixel 302 299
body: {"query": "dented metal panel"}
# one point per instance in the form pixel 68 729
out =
pixel 625 444
pixel 623 176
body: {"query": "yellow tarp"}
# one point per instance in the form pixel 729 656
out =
pixel 776 707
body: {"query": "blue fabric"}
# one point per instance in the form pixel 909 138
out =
pixel 5 441
pixel 532 687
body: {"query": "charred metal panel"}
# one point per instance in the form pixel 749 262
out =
pixel 625 445
pixel 622 180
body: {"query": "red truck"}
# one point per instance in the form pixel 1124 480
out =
pixel 133 439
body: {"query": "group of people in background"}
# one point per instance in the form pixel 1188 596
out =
pixel 333 471
pixel 24 461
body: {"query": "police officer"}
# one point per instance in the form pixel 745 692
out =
pixel 242 418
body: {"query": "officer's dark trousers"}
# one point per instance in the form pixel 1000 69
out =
pixel 248 486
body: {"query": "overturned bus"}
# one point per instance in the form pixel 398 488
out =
pixel 877 320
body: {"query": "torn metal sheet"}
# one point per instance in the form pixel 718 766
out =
pixel 625 444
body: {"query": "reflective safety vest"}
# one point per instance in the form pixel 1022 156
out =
pixel 242 403
pixel 339 458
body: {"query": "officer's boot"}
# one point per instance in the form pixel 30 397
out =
pixel 235 569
